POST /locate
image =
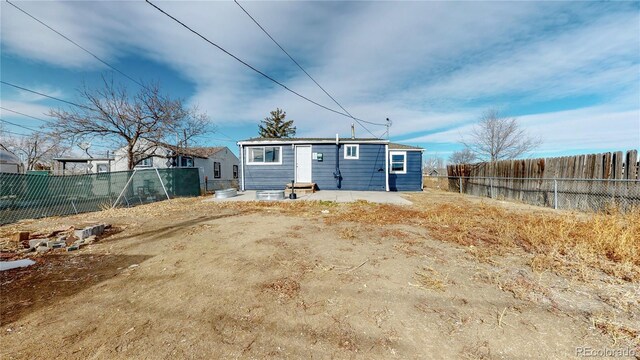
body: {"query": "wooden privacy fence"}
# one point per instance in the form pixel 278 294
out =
pixel 585 182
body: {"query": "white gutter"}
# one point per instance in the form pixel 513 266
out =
pixel 421 172
pixel 386 166
pixel 305 142
pixel 241 168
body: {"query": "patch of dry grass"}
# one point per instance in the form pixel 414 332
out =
pixel 609 241
pixel 618 331
pixel 428 278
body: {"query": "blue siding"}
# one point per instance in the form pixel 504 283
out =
pixel 269 177
pixel 412 180
pixel 364 173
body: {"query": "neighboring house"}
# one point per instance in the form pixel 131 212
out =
pixel 85 165
pixel 434 172
pixel 331 164
pixel 10 163
pixel 218 165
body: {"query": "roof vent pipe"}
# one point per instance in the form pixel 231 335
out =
pixel 337 139
pixel 353 131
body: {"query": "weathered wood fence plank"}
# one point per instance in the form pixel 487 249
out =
pixel 533 180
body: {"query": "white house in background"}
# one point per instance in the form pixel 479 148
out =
pixel 9 162
pixel 219 166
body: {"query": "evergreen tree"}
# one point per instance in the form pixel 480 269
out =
pixel 275 126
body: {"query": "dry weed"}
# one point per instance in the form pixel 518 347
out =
pixel 428 278
pixel 616 330
pixel 608 241
pixel 284 287
pixel 348 233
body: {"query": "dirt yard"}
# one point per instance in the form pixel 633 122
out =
pixel 193 279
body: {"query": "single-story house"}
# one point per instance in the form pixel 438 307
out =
pixel 9 162
pixel 219 166
pixel 330 164
pixel 88 165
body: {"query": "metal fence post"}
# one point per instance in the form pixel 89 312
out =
pixel 460 182
pixel 125 188
pixel 491 188
pixel 555 194
pixel 162 183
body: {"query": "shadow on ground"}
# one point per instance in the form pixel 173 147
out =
pixel 55 277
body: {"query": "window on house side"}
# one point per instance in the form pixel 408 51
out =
pixel 148 162
pixel 235 171
pixel 351 151
pixel 186 161
pixel 216 170
pixel 264 155
pixel 398 163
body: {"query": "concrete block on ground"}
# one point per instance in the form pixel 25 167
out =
pixel 91 230
pixel 56 244
pixel 90 240
pixel 70 240
pixel 36 242
pixel 42 249
pixel 21 236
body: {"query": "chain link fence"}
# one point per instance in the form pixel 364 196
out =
pixel 211 186
pixel 568 194
pixel 29 196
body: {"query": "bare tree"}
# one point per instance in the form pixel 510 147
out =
pixel 432 163
pixel 496 137
pixel 37 150
pixel 464 156
pixel 141 123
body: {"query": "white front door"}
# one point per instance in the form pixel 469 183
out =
pixel 303 164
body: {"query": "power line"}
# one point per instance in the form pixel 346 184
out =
pixel 29 116
pixel 305 71
pixel 245 63
pixel 225 135
pixel 18 125
pixel 45 95
pixel 14 133
pixel 76 44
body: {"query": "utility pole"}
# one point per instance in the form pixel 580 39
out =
pixel 388 125
pixel 184 131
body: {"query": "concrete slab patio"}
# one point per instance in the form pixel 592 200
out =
pixel 341 196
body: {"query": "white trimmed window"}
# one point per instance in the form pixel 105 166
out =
pixel 186 161
pixel 264 155
pixel 216 170
pixel 148 162
pixel 398 163
pixel 352 151
pixel 102 168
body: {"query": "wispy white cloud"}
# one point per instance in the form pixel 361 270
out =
pixel 599 127
pixel 425 65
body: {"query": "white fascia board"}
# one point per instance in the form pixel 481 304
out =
pixel 303 142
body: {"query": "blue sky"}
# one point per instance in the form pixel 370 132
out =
pixel 569 71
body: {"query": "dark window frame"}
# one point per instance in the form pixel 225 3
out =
pixel 217 173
